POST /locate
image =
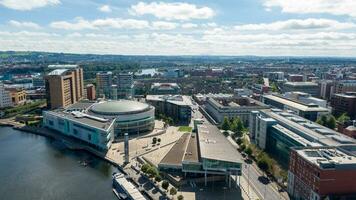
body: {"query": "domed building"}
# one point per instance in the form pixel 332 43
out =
pixel 130 116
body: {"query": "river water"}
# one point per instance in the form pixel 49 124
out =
pixel 36 168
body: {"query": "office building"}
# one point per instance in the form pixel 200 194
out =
pixel 64 86
pixel 230 107
pixel 275 76
pixel 5 98
pixel 344 103
pixel 305 98
pixel 177 107
pixel 38 82
pixel 125 85
pixel 345 86
pixel 204 153
pixel 322 173
pixel 90 92
pixel 326 89
pixel 165 88
pixel 276 132
pixel 103 84
pixel 306 87
pixel 295 78
pixel 309 111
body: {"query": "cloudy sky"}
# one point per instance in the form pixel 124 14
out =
pixel 191 27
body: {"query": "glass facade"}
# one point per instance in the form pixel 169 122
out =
pixel 134 126
pixel 219 165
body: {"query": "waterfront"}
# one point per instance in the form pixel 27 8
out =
pixel 34 167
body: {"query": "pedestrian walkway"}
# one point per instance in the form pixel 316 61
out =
pixel 247 191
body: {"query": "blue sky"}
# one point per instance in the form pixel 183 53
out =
pixel 194 27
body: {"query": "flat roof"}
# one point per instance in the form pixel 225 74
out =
pixel 301 83
pixel 176 153
pixel 294 104
pixel 214 145
pixel 57 72
pixel 63 66
pixel 191 153
pixel 181 100
pixel 86 119
pixel 131 190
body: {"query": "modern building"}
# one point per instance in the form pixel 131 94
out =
pixel 309 111
pixel 125 85
pixel 92 130
pixel 177 107
pixel 344 103
pixel 204 153
pixel 306 87
pixel 91 92
pixel 219 108
pixel 305 98
pixel 322 173
pixel 326 89
pixel 5 98
pixel 38 82
pixel 276 132
pixel 128 116
pixel 165 88
pixel 344 86
pixel 17 95
pixel 275 76
pixel 103 84
pixel 295 78
pixel 64 86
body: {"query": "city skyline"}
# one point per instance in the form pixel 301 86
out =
pixel 258 27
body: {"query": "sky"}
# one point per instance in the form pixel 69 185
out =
pixel 191 27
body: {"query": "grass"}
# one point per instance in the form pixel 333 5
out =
pixel 185 129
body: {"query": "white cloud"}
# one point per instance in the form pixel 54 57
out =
pixel 118 23
pixel 297 24
pixel 164 25
pixel 19 24
pixel 189 25
pixel 172 11
pixel 334 7
pixel 105 8
pixel 27 4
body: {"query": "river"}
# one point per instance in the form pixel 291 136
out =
pixel 36 168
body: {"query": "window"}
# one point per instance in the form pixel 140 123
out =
pixel 89 137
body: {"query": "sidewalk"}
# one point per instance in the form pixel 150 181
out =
pixel 247 193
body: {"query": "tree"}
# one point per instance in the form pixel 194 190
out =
pixel 158 178
pixel 226 124
pixel 242 147
pixel 263 164
pixel 248 150
pixel 165 184
pixel 239 127
pixel 239 141
pixel 180 197
pixel 331 122
pixel 343 118
pixel 154 140
pixel 172 191
pixel 152 171
pixel 145 167
pixel 158 140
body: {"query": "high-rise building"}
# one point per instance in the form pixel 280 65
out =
pixel 125 85
pixel 344 103
pixel 64 86
pixel 5 98
pixel 326 87
pixel 103 84
pixel 91 94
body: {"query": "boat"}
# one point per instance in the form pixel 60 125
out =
pixel 124 189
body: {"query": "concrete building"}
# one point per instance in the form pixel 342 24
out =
pixel 165 88
pixel 326 89
pixel 177 107
pixel 125 85
pixel 5 98
pixel 277 132
pixel 305 98
pixel 91 92
pixel 295 78
pixel 344 103
pixel 17 95
pixel 205 153
pixel 322 173
pixel 308 111
pixel 306 87
pixel 275 76
pixel 103 84
pixel 344 86
pixel 92 130
pixel 219 108
pixel 38 82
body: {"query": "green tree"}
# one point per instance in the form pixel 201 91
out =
pixel 180 197
pixel 263 164
pixel 154 140
pixel 242 147
pixel 165 184
pixel 343 118
pixel 172 191
pixel 226 124
pixel 145 167
pixel 239 141
pixel 248 150
pixel 152 172
pixel 239 127
pixel 158 178
pixel 331 122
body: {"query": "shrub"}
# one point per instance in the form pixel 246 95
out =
pixel 154 140
pixel 165 185
pixel 145 167
pixel 180 197
pixel 158 178
pixel 172 191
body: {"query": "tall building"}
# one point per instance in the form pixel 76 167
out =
pixel 90 90
pixel 344 103
pixel 326 87
pixel 322 173
pixel 5 98
pixel 125 85
pixel 64 86
pixel 345 86
pixel 103 84
pixel 295 78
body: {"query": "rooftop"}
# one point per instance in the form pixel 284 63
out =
pixel 57 72
pixel 63 66
pixel 301 84
pixel 295 104
pixel 176 153
pixel 328 157
pixel 174 99
pixel 119 107
pixel 214 145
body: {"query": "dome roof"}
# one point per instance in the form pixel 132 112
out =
pixel 119 107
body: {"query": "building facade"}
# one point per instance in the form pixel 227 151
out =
pixel 103 84
pixel 344 103
pixel 125 85
pixel 306 87
pixel 91 92
pixel 5 98
pixel 17 95
pixel 165 88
